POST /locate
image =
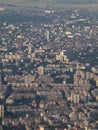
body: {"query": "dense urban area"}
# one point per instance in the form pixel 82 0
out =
pixel 48 69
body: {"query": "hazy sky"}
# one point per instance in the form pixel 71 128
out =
pixel 47 2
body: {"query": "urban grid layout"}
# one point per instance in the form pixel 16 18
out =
pixel 48 68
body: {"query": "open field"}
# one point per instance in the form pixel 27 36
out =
pixel 56 3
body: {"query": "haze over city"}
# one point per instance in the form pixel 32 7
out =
pixel 48 2
pixel 48 65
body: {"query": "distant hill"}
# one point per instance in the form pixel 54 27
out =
pixel 78 1
pixel 68 1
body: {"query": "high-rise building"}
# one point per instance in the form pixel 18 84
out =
pixel 41 70
pixel 29 48
pixel 41 127
pixel 75 98
pixel 1 111
pixel 47 34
